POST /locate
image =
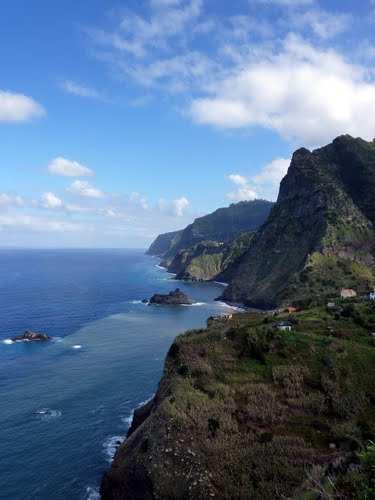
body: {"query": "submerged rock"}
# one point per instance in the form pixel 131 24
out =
pixel 174 298
pixel 31 337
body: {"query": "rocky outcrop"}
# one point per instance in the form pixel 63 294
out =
pixel 30 336
pixel 174 298
pixel 320 235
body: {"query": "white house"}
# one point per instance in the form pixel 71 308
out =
pixel 372 296
pixel 284 326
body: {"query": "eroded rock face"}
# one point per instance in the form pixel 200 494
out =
pixel 30 336
pixel 174 298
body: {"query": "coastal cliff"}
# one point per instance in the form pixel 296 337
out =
pixel 163 243
pixel 316 239
pixel 248 410
pixel 278 404
pixel 205 248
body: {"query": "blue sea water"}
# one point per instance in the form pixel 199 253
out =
pixel 64 404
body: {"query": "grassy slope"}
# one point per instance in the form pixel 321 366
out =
pixel 246 411
pixel 210 260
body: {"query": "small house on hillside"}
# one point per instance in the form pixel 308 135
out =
pixel 371 296
pixel 290 310
pixel 348 293
pixel 284 326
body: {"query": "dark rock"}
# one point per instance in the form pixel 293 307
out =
pixel 31 337
pixel 175 298
pixel 140 415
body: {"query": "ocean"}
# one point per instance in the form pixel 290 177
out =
pixel 65 404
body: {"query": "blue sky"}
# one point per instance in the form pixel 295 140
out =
pixel 123 119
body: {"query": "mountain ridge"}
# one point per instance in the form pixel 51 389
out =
pixel 319 208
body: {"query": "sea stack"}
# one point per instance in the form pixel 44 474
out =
pixel 174 298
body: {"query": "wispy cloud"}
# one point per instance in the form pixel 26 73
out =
pixel 85 189
pixel 8 200
pixel 68 168
pixel 80 90
pixel 175 208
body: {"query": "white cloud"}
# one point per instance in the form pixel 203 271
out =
pixel 265 184
pixel 80 90
pixel 303 93
pixel 268 180
pixel 244 192
pixel 180 205
pixel 68 168
pixel 240 180
pixel 273 172
pixel 18 107
pixel 7 200
pixel 83 188
pixel 175 208
pixel 50 200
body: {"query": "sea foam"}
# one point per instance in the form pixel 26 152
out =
pixel 111 445
pixel 92 493
pixel 8 341
pixel 48 414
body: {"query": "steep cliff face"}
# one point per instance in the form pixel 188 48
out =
pixel 320 234
pixel 163 243
pixel 248 412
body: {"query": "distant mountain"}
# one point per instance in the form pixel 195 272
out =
pixel 320 234
pixel 163 243
pixel 206 240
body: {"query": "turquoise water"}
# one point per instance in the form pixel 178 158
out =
pixel 65 403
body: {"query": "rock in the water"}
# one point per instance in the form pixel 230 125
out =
pixel 32 336
pixel 174 298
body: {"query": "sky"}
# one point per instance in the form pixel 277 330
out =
pixel 120 120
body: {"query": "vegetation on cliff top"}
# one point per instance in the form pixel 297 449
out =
pixel 247 411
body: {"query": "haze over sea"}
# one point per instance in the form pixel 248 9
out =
pixel 65 403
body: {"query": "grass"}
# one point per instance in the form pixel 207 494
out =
pixel 251 412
